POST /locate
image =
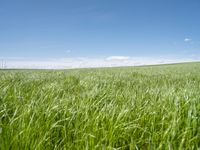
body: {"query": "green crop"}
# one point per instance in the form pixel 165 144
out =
pixel 148 107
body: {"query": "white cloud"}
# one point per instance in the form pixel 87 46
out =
pixel 83 62
pixel 117 58
pixel 187 40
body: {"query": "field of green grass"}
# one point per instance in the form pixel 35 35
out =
pixel 147 107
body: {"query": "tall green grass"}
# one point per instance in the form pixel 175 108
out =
pixel 153 107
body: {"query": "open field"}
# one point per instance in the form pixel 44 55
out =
pixel 149 107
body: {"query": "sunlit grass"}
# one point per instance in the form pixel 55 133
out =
pixel 153 107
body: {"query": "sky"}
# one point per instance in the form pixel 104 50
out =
pixel 103 30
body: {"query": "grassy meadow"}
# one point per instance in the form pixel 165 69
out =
pixel 147 107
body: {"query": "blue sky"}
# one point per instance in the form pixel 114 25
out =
pixel 99 28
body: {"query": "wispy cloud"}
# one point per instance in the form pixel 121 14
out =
pixel 68 51
pixel 117 58
pixel 83 62
pixel 187 40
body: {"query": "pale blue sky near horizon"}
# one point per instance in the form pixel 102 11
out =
pixel 99 28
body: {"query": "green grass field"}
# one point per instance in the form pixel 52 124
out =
pixel 148 107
